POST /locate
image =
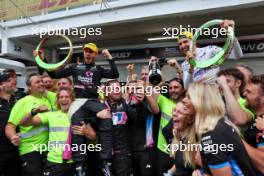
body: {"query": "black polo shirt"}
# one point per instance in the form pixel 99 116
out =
pixel 5 109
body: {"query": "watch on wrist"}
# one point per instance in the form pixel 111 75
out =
pixel 33 112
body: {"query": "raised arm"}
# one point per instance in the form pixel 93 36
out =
pixel 65 72
pixel 235 112
pixel 174 64
pixel 130 71
pixel 151 97
pixel 152 103
pixel 236 52
pixel 111 73
pixel 187 70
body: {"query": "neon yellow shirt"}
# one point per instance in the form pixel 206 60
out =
pixel 32 137
pixel 59 124
pixel 166 105
pixel 243 103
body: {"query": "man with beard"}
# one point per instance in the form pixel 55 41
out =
pixel 254 94
pixel 31 139
pixel 231 82
pixel 209 74
pixel 9 161
pixel 19 92
pixel 165 106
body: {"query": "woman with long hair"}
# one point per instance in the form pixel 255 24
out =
pixel 222 151
pixel 183 125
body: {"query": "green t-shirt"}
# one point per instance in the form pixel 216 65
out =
pixel 32 137
pixel 166 105
pixel 59 124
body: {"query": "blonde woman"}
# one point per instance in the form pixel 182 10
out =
pixel 222 151
pixel 183 124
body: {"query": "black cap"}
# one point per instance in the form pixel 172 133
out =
pixel 4 77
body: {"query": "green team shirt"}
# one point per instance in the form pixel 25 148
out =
pixel 243 104
pixel 32 137
pixel 59 124
pixel 166 105
pixel 101 96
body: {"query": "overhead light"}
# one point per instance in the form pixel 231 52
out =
pixel 161 38
pixel 66 48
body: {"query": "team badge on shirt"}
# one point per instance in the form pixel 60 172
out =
pixel 119 118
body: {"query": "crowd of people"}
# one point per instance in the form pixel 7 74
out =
pixel 204 121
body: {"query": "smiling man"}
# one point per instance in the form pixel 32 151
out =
pixel 207 75
pixel 86 78
pixel 30 136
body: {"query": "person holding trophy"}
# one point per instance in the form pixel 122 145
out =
pixel 207 70
pixel 86 79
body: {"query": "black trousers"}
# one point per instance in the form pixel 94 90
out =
pixel 163 162
pixel 59 169
pixel 144 162
pixel 33 163
pixel 122 164
pixel 86 113
pixel 92 163
pixel 10 164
